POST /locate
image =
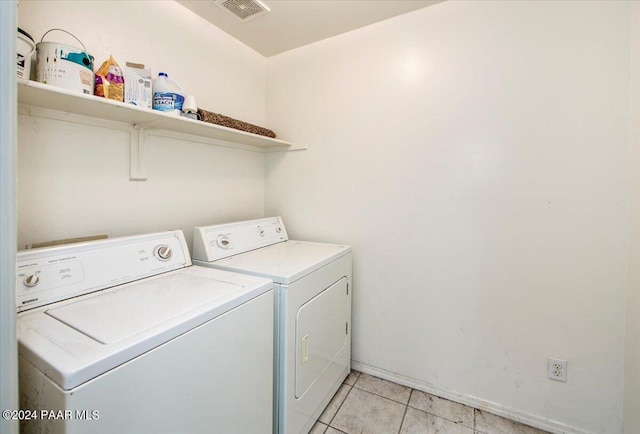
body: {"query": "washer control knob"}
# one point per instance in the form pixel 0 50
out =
pixel 223 241
pixel 32 280
pixel 163 252
pixel 278 229
pixel 260 231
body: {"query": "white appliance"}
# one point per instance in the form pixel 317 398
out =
pixel 125 336
pixel 312 283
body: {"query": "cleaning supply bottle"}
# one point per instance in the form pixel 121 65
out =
pixel 167 95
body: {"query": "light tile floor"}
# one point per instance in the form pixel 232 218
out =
pixel 369 405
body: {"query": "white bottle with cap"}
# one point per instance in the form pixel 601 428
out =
pixel 168 96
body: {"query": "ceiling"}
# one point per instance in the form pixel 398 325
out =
pixel 294 23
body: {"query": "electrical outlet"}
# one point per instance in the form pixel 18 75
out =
pixel 558 369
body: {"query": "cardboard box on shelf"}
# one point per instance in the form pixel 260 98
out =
pixel 137 85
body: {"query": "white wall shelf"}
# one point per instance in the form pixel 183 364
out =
pixel 62 104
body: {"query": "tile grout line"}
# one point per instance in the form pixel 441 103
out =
pixel 406 407
pixel 340 406
pixel 386 397
pixel 475 411
pixel 474 419
pixel 404 415
pixel 473 422
pixel 444 418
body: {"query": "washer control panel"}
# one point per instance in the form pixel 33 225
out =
pixel 211 243
pixel 56 273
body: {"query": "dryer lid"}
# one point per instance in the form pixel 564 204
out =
pixel 284 262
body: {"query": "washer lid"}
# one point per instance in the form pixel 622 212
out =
pixel 120 314
pixel 76 340
pixel 284 262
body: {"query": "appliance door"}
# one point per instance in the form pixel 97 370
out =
pixel 321 332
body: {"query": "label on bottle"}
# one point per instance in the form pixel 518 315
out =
pixel 167 101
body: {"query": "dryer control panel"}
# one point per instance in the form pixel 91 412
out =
pixel 211 243
pixel 57 273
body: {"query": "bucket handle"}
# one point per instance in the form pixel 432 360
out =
pixel 68 33
pixel 23 35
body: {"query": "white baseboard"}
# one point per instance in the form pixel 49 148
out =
pixel 471 401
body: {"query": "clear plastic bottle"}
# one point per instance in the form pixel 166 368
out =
pixel 167 95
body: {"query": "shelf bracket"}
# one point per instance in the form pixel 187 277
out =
pixel 139 150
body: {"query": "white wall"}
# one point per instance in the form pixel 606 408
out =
pixel 632 361
pixel 475 156
pixel 73 179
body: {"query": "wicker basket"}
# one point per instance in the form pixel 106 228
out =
pixel 226 121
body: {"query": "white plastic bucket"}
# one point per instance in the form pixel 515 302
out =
pixel 65 66
pixel 25 46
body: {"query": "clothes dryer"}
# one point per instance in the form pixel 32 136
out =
pixel 312 283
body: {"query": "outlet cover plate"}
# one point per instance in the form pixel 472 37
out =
pixel 557 369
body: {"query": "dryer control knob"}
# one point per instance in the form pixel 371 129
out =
pixel 260 231
pixel 163 252
pixel 278 229
pixel 32 280
pixel 223 241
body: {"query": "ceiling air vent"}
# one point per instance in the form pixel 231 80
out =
pixel 244 10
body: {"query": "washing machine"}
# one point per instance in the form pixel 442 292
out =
pixel 124 335
pixel 312 284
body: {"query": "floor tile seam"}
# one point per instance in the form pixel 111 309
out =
pixel 382 396
pixel 406 407
pixel 357 375
pixel 338 409
pixel 366 391
pixel 475 409
pixel 354 381
pixel 475 421
pixel 475 414
pixel 318 422
pixel 447 419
